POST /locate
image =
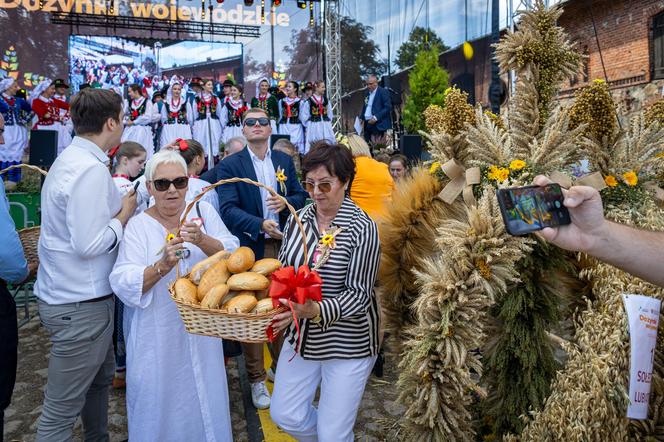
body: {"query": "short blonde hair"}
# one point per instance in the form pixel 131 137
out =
pixel 164 157
pixel 358 147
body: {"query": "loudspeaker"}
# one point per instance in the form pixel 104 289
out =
pixel 43 148
pixel 275 137
pixel 466 82
pixel 411 147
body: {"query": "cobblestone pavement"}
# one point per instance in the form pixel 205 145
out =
pixel 375 421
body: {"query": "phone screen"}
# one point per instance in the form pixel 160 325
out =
pixel 531 208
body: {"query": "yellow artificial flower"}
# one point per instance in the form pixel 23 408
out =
pixel 499 174
pixel 327 240
pixel 517 165
pixel 281 177
pixel 610 181
pixel 170 237
pixel 434 167
pixel 599 81
pixel 503 174
pixel 630 178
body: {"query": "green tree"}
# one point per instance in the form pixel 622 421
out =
pixel 428 82
pixel 417 41
pixel 360 55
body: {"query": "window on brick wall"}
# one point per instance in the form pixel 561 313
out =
pixel 658 46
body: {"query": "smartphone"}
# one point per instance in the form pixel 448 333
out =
pixel 531 208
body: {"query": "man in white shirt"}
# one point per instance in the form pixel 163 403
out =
pixel 83 216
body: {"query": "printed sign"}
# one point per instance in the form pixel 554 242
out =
pixel 643 319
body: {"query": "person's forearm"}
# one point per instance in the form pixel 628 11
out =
pixel 639 252
pixel 151 276
pixel 210 245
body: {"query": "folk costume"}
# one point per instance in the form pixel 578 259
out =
pixel 268 103
pixel 206 112
pixel 47 111
pixel 316 113
pixel 232 117
pixel 17 114
pixel 176 122
pixel 142 114
pixel 290 122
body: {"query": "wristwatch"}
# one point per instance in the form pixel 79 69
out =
pixel 316 319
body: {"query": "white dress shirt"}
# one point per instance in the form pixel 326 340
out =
pixel 266 175
pixel 367 113
pixel 79 236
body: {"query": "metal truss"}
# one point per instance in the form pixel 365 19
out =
pixel 174 29
pixel 332 39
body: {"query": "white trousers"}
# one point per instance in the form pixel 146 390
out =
pixel 342 383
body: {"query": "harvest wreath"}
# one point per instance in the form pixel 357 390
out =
pixel 475 312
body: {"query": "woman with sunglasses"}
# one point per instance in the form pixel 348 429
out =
pixel 176 382
pixel 337 340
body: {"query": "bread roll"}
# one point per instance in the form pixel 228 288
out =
pixel 241 304
pixel 185 290
pixel 262 294
pixel 266 266
pixel 199 269
pixel 215 275
pixel 263 306
pixel 214 296
pixel 248 281
pixel 241 260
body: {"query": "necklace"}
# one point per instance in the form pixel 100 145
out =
pixel 120 175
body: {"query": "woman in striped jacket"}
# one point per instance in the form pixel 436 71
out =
pixel 339 337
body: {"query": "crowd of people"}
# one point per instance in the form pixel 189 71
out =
pixel 121 327
pixel 111 199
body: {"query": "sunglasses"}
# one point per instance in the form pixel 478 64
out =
pixel 324 187
pixel 251 122
pixel 163 184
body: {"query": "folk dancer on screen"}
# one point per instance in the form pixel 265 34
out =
pixel 233 115
pixel 207 111
pixel 316 113
pixel 289 117
pixel 266 101
pixel 48 110
pixel 176 122
pixel 17 114
pixel 139 116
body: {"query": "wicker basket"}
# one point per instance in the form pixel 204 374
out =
pixel 29 236
pixel 243 327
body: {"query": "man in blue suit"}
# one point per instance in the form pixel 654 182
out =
pixel 256 217
pixel 377 110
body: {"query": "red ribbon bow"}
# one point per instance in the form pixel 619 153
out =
pixel 182 144
pixel 173 114
pixel 134 114
pixel 294 287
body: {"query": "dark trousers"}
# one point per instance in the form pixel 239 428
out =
pixel 370 131
pixel 8 350
pixel 253 353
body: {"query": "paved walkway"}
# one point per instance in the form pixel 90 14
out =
pixel 376 417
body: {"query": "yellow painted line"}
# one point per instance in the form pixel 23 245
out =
pixel 270 430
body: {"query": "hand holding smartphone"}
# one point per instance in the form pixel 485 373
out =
pixel 531 208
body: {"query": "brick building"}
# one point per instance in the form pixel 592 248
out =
pixel 630 34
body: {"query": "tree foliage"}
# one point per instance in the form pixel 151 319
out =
pixel 428 82
pixel 417 41
pixel 360 55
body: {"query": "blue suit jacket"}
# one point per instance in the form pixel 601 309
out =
pixel 240 204
pixel 381 108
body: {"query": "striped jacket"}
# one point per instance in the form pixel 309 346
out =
pixel 349 311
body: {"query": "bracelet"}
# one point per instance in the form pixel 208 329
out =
pixel 156 267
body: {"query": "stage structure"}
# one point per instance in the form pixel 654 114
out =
pixel 174 29
pixel 332 35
